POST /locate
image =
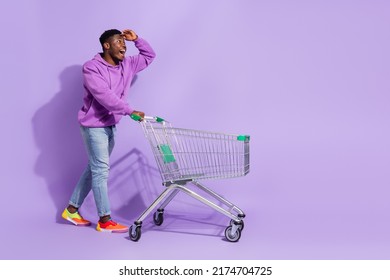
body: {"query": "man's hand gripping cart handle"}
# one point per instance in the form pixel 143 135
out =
pixel 147 118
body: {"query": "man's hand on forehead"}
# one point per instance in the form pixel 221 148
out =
pixel 129 35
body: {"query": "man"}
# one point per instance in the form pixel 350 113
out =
pixel 107 79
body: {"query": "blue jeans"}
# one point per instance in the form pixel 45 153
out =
pixel 99 143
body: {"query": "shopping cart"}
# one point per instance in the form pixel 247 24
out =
pixel 186 156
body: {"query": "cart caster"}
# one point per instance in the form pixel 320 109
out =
pixel 240 224
pixel 158 217
pixel 135 232
pixel 230 236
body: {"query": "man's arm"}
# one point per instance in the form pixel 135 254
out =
pixel 146 53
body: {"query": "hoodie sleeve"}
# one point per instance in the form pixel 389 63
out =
pixel 98 87
pixel 145 56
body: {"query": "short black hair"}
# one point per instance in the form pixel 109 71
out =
pixel 107 34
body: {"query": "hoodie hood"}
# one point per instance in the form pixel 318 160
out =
pixel 99 58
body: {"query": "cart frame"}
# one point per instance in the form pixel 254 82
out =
pixel 180 155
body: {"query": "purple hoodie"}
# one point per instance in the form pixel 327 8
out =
pixel 106 86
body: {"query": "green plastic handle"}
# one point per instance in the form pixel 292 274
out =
pixel 244 138
pixel 135 117
pixel 158 119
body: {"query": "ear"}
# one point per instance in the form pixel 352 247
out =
pixel 106 46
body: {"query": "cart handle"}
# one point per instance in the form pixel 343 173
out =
pixel 148 118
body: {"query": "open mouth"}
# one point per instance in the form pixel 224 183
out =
pixel 122 52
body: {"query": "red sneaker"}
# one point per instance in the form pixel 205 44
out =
pixel 111 226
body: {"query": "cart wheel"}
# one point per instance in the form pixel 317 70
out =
pixel 240 225
pixel 230 236
pixel 137 233
pixel 158 218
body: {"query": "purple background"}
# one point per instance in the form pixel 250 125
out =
pixel 308 80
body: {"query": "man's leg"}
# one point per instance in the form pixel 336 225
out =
pixel 101 143
pixel 97 141
pixel 80 192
